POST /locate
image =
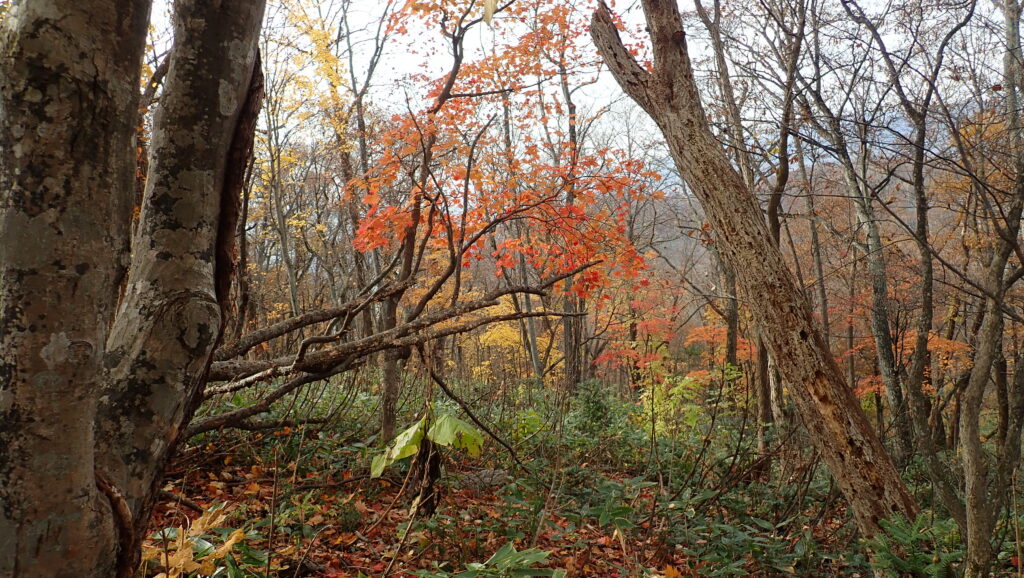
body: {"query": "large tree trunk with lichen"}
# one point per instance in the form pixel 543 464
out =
pixel 92 399
pixel 852 451
pixel 66 187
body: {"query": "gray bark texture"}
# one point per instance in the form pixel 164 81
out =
pixel 881 326
pixel 838 428
pixel 66 179
pixel 987 477
pixel 95 389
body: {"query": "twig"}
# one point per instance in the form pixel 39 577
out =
pixel 180 499
pixel 322 485
pixel 405 536
pixel 302 560
pixel 465 407
pixel 273 509
pixel 380 518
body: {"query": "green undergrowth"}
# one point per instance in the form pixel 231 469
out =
pixel 665 482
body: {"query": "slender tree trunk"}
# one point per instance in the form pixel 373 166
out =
pixel 920 405
pixel 777 400
pixel 881 330
pixel 735 140
pixel 765 417
pixel 352 213
pixel 819 265
pixel 880 325
pixel 859 464
pixel 529 330
pixel 529 324
pixel 980 517
pixel 242 309
pixel 391 376
pixel 280 220
pixel 572 325
pixel 984 491
pixel 729 305
pixel 851 358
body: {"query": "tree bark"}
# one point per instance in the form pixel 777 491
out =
pixel 66 190
pixel 819 266
pixel 983 492
pixel 979 511
pixel 92 399
pixel 881 327
pixel 169 319
pixel 840 431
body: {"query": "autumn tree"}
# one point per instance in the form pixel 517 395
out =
pixel 840 431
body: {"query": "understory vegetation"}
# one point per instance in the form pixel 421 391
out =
pixel 662 481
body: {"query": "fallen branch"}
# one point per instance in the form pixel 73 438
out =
pixel 404 335
pixel 250 340
pixel 179 499
pixel 239 415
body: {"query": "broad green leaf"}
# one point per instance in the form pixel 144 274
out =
pixel 530 557
pixel 406 444
pixel 450 431
pixel 378 464
pixel 502 555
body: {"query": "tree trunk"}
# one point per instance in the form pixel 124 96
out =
pixel 66 190
pixel 819 266
pixel 732 312
pixel 391 376
pixel 840 431
pixel 985 493
pixel 92 399
pixel 169 319
pixel 881 328
pixel 763 404
pixel 979 510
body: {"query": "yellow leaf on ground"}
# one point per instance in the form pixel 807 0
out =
pixel 235 537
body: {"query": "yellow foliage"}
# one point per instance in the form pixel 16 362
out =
pixel 502 335
pixel 179 558
pixel 325 85
pixel 483 372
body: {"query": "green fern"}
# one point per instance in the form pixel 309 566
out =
pixel 920 548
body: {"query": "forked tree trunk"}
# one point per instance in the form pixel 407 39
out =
pixel 170 316
pixel 987 478
pixel 91 399
pixel 840 431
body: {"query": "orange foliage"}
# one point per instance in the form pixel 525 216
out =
pixel 451 175
pixel 871 384
pixel 714 338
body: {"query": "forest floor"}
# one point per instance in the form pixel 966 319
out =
pixel 471 526
pixel 220 504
